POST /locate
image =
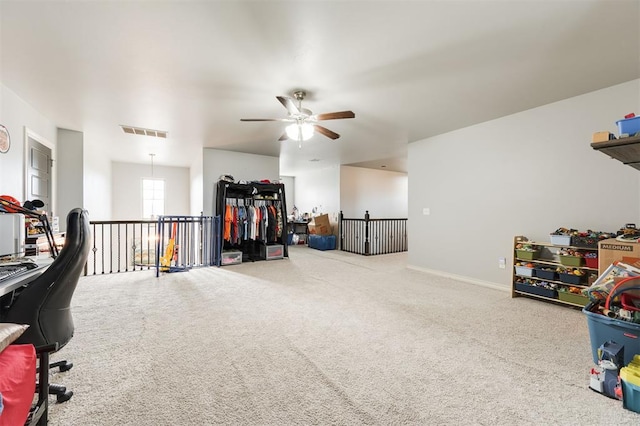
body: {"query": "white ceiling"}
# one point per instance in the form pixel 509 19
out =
pixel 408 69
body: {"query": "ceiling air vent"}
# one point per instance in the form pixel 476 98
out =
pixel 144 132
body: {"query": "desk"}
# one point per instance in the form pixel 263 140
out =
pixel 14 282
pixel 299 227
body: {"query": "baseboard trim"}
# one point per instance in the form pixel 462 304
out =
pixel 469 280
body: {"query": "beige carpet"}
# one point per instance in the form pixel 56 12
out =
pixel 323 338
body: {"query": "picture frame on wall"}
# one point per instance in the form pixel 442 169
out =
pixel 5 140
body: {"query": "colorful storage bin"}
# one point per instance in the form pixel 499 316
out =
pixel 523 271
pixel 584 242
pixel 526 254
pixel 561 240
pixel 546 274
pixel 571 278
pixel 574 298
pixel 571 260
pixel 539 291
pixel 591 262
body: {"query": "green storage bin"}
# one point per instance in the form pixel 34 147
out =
pixel 571 260
pixel 527 254
pixel 577 299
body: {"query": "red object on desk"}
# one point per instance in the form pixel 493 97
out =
pixel 17 383
pixel 630 115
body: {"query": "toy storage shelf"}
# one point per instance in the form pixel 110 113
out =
pixel 548 257
pixel 625 150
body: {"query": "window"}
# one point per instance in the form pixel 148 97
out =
pixel 152 198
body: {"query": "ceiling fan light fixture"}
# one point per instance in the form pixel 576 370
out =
pixel 299 131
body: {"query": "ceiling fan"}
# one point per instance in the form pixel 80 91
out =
pixel 303 120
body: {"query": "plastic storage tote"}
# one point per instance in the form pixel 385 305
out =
pixel 322 242
pixel 523 271
pixel 546 274
pixel 526 254
pixel 574 298
pixel 571 260
pixel 539 291
pixel 603 329
pixel 560 240
pixel 275 251
pixel 231 257
pixel 629 126
pixel 571 278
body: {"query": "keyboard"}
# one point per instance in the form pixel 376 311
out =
pixel 12 269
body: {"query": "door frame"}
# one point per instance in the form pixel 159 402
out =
pixel 28 133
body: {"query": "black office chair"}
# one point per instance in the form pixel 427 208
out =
pixel 45 302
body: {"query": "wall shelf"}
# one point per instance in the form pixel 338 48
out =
pixel 625 150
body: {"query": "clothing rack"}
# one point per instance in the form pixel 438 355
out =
pixel 269 199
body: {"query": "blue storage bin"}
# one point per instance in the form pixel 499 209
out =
pixel 571 278
pixel 322 242
pixel 603 329
pixel 629 125
pixel 546 274
pixel 540 291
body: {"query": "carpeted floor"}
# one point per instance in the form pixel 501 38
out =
pixel 323 338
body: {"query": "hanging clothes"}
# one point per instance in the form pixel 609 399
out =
pixel 279 221
pixel 271 224
pixel 227 222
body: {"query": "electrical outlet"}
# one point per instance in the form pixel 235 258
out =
pixel 426 211
pixel 502 263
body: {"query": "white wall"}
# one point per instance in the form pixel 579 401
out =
pixel 320 189
pixel 289 192
pixel 383 193
pixel 237 164
pixel 127 189
pixel 97 182
pixel 195 176
pixel 525 174
pixel 70 171
pixel 16 115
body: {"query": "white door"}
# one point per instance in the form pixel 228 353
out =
pixel 39 166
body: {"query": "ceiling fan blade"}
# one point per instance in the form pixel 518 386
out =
pixel 326 132
pixel 289 104
pixel 267 119
pixel 335 115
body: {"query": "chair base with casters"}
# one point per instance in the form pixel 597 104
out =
pixel 39 413
pixel 60 391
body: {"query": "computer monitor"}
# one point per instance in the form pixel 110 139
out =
pixel 12 234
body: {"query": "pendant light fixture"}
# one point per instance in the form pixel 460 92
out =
pixel 152 155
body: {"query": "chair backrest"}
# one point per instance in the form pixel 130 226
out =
pixel 45 303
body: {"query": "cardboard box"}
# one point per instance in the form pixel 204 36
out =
pixel 612 250
pixel 320 225
pixel 602 137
